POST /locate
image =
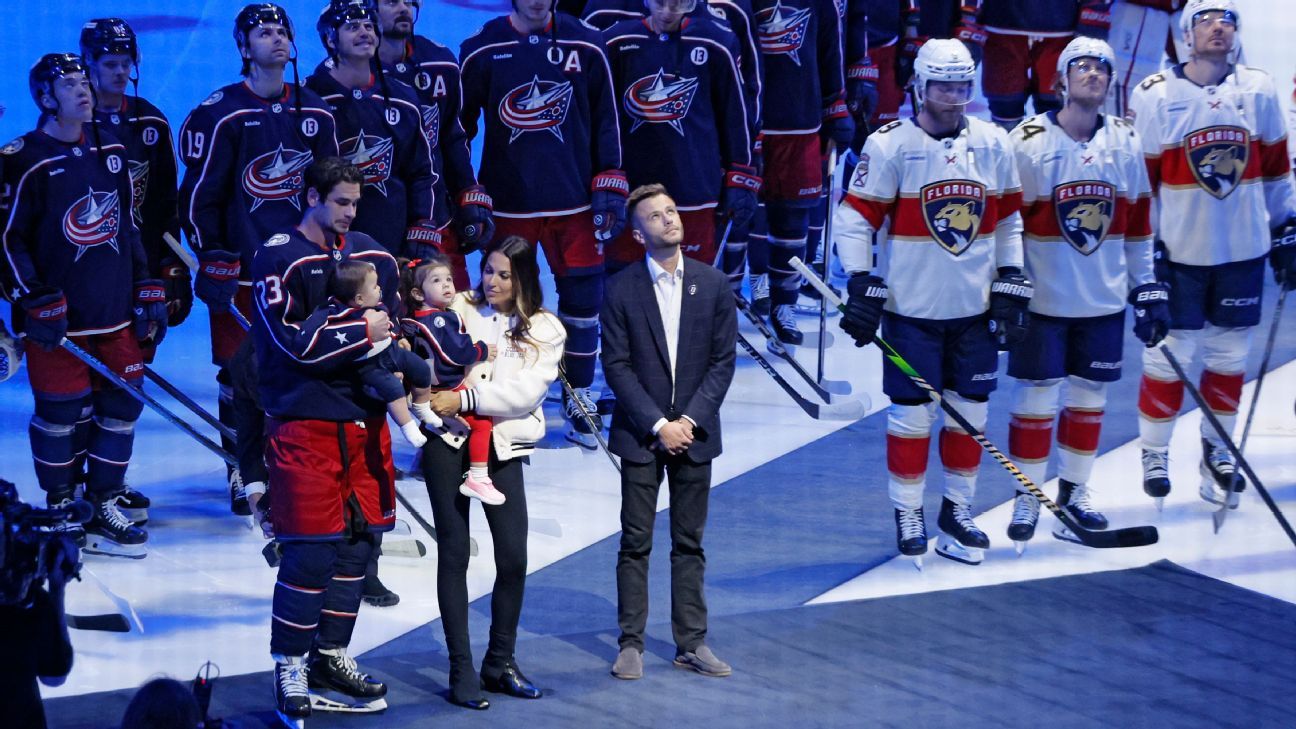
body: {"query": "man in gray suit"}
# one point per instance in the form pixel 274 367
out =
pixel 669 330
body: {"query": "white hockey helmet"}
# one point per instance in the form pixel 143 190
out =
pixel 1196 7
pixel 943 59
pixel 1084 47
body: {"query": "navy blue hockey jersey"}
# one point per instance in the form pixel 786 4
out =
pixel 440 338
pixel 683 120
pixel 550 114
pixel 383 137
pixel 151 162
pixel 800 41
pixel 307 357
pixel 69 227
pixel 881 23
pixel 245 164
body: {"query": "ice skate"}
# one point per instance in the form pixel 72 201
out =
pixel 1025 517
pixel 482 489
pixel 960 540
pixel 292 697
pixel 575 409
pixel 1218 472
pixel 760 294
pixel 110 533
pixel 134 506
pixel 238 494
pixel 1074 497
pixel 1156 475
pixel 72 530
pixel 337 684
pixel 784 323
pixel 911 534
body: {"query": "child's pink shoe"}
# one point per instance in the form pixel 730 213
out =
pixel 483 489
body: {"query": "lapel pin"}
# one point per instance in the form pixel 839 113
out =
pixel 692 289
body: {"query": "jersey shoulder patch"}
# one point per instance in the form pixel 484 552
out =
pixel 277 239
pixel 13 147
pixel 214 98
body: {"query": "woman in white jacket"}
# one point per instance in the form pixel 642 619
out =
pixel 505 311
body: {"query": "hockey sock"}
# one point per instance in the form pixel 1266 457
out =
pixel 112 438
pixel 1078 432
pixel 304 572
pixel 1158 404
pixel 52 437
pixel 225 412
pixel 789 227
pixel 1222 393
pixel 579 298
pixel 734 258
pixel 1029 440
pixel 758 242
pixel 961 458
pixel 81 438
pixel 907 467
pixel 345 590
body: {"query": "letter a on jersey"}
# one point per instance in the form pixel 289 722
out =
pixel 1084 212
pixel 953 210
pixel 1218 158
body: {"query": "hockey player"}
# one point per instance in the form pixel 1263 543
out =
pixel 1140 31
pixel 551 158
pixel 1216 149
pixel 947 286
pixel 1024 38
pixel 245 148
pixel 77 270
pixel 328 450
pixel 801 49
pixel 1088 245
pixel 462 214
pixel 684 122
pixel 379 127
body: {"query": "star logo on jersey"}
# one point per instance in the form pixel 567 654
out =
pixel 783 30
pixel 430 119
pixel 1084 212
pixel 953 210
pixel 139 172
pixel 1218 158
pixel 536 106
pixel 93 221
pixel 372 155
pixel 276 175
pixel 661 98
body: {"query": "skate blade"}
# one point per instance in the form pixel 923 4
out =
pixel 292 722
pixel 1066 535
pixel 1020 547
pixel 917 562
pixel 778 349
pixel 334 701
pixel 1212 494
pixel 1159 501
pixel 109 548
pixel 950 548
pixel 584 440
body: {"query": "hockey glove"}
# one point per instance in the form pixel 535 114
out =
pixel 973 35
pixel 46 322
pixel 608 204
pixel 473 219
pixel 179 292
pixel 1095 18
pixel 758 154
pixel 1151 304
pixel 866 295
pixel 150 310
pixel 10 354
pixel 218 277
pixel 738 201
pixel 1283 255
pixel 1161 263
pixel 1010 295
pixel 838 125
pixel 422 239
pixel 862 89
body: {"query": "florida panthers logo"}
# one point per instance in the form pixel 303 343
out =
pixel 92 221
pixel 139 172
pixel 430 119
pixel 1084 212
pixel 662 98
pixel 372 155
pixel 277 175
pixel 1218 157
pixel 783 30
pixel 536 106
pixel 953 210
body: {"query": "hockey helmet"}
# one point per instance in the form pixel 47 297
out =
pixel 1195 8
pixel 340 12
pixel 1085 47
pixel 258 14
pixel 50 68
pixel 943 59
pixel 683 6
pixel 108 36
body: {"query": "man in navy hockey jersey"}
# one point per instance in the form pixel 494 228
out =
pixel 245 149
pixel 463 209
pixel 551 159
pixel 684 122
pixel 379 130
pixel 75 268
pixel 328 450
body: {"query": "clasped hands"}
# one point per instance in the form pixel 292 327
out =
pixel 675 436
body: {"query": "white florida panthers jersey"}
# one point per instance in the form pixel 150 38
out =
pixel 1217 161
pixel 951 212
pixel 1086 232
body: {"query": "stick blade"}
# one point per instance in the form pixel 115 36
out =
pixel 836 387
pixel 1139 536
pixel 847 410
pixel 109 623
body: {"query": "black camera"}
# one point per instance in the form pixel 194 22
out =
pixel 23 545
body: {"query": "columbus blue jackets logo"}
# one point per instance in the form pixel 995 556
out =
pixel 430 119
pixel 139 172
pixel 783 30
pixel 1218 158
pixel 277 175
pixel 93 221
pixel 1084 212
pixel 536 106
pixel 953 210
pixel 372 155
pixel 661 98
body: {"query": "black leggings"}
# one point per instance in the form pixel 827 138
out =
pixel 443 471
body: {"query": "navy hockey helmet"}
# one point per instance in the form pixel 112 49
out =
pixel 108 36
pixel 258 14
pixel 340 12
pixel 50 68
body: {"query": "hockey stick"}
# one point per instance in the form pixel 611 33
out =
pixel 192 264
pixel 188 402
pixel 589 420
pixel 825 249
pixel 108 622
pixel 123 605
pixel 147 399
pixel 1231 499
pixel 1128 537
pixel 1228 442
pixel 848 410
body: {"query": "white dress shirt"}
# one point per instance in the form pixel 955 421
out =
pixel 668 287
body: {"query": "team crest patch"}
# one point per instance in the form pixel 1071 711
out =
pixel 276 175
pixel 372 155
pixel 536 106
pixel 93 221
pixel 783 30
pixel 13 147
pixel 277 239
pixel 215 97
pixel 430 119
pixel 139 175
pixel 661 98
pixel 953 210
pixel 1218 158
pixel 1084 212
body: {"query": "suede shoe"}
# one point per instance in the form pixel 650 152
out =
pixel 629 664
pixel 702 660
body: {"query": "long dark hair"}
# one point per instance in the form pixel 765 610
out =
pixel 528 297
